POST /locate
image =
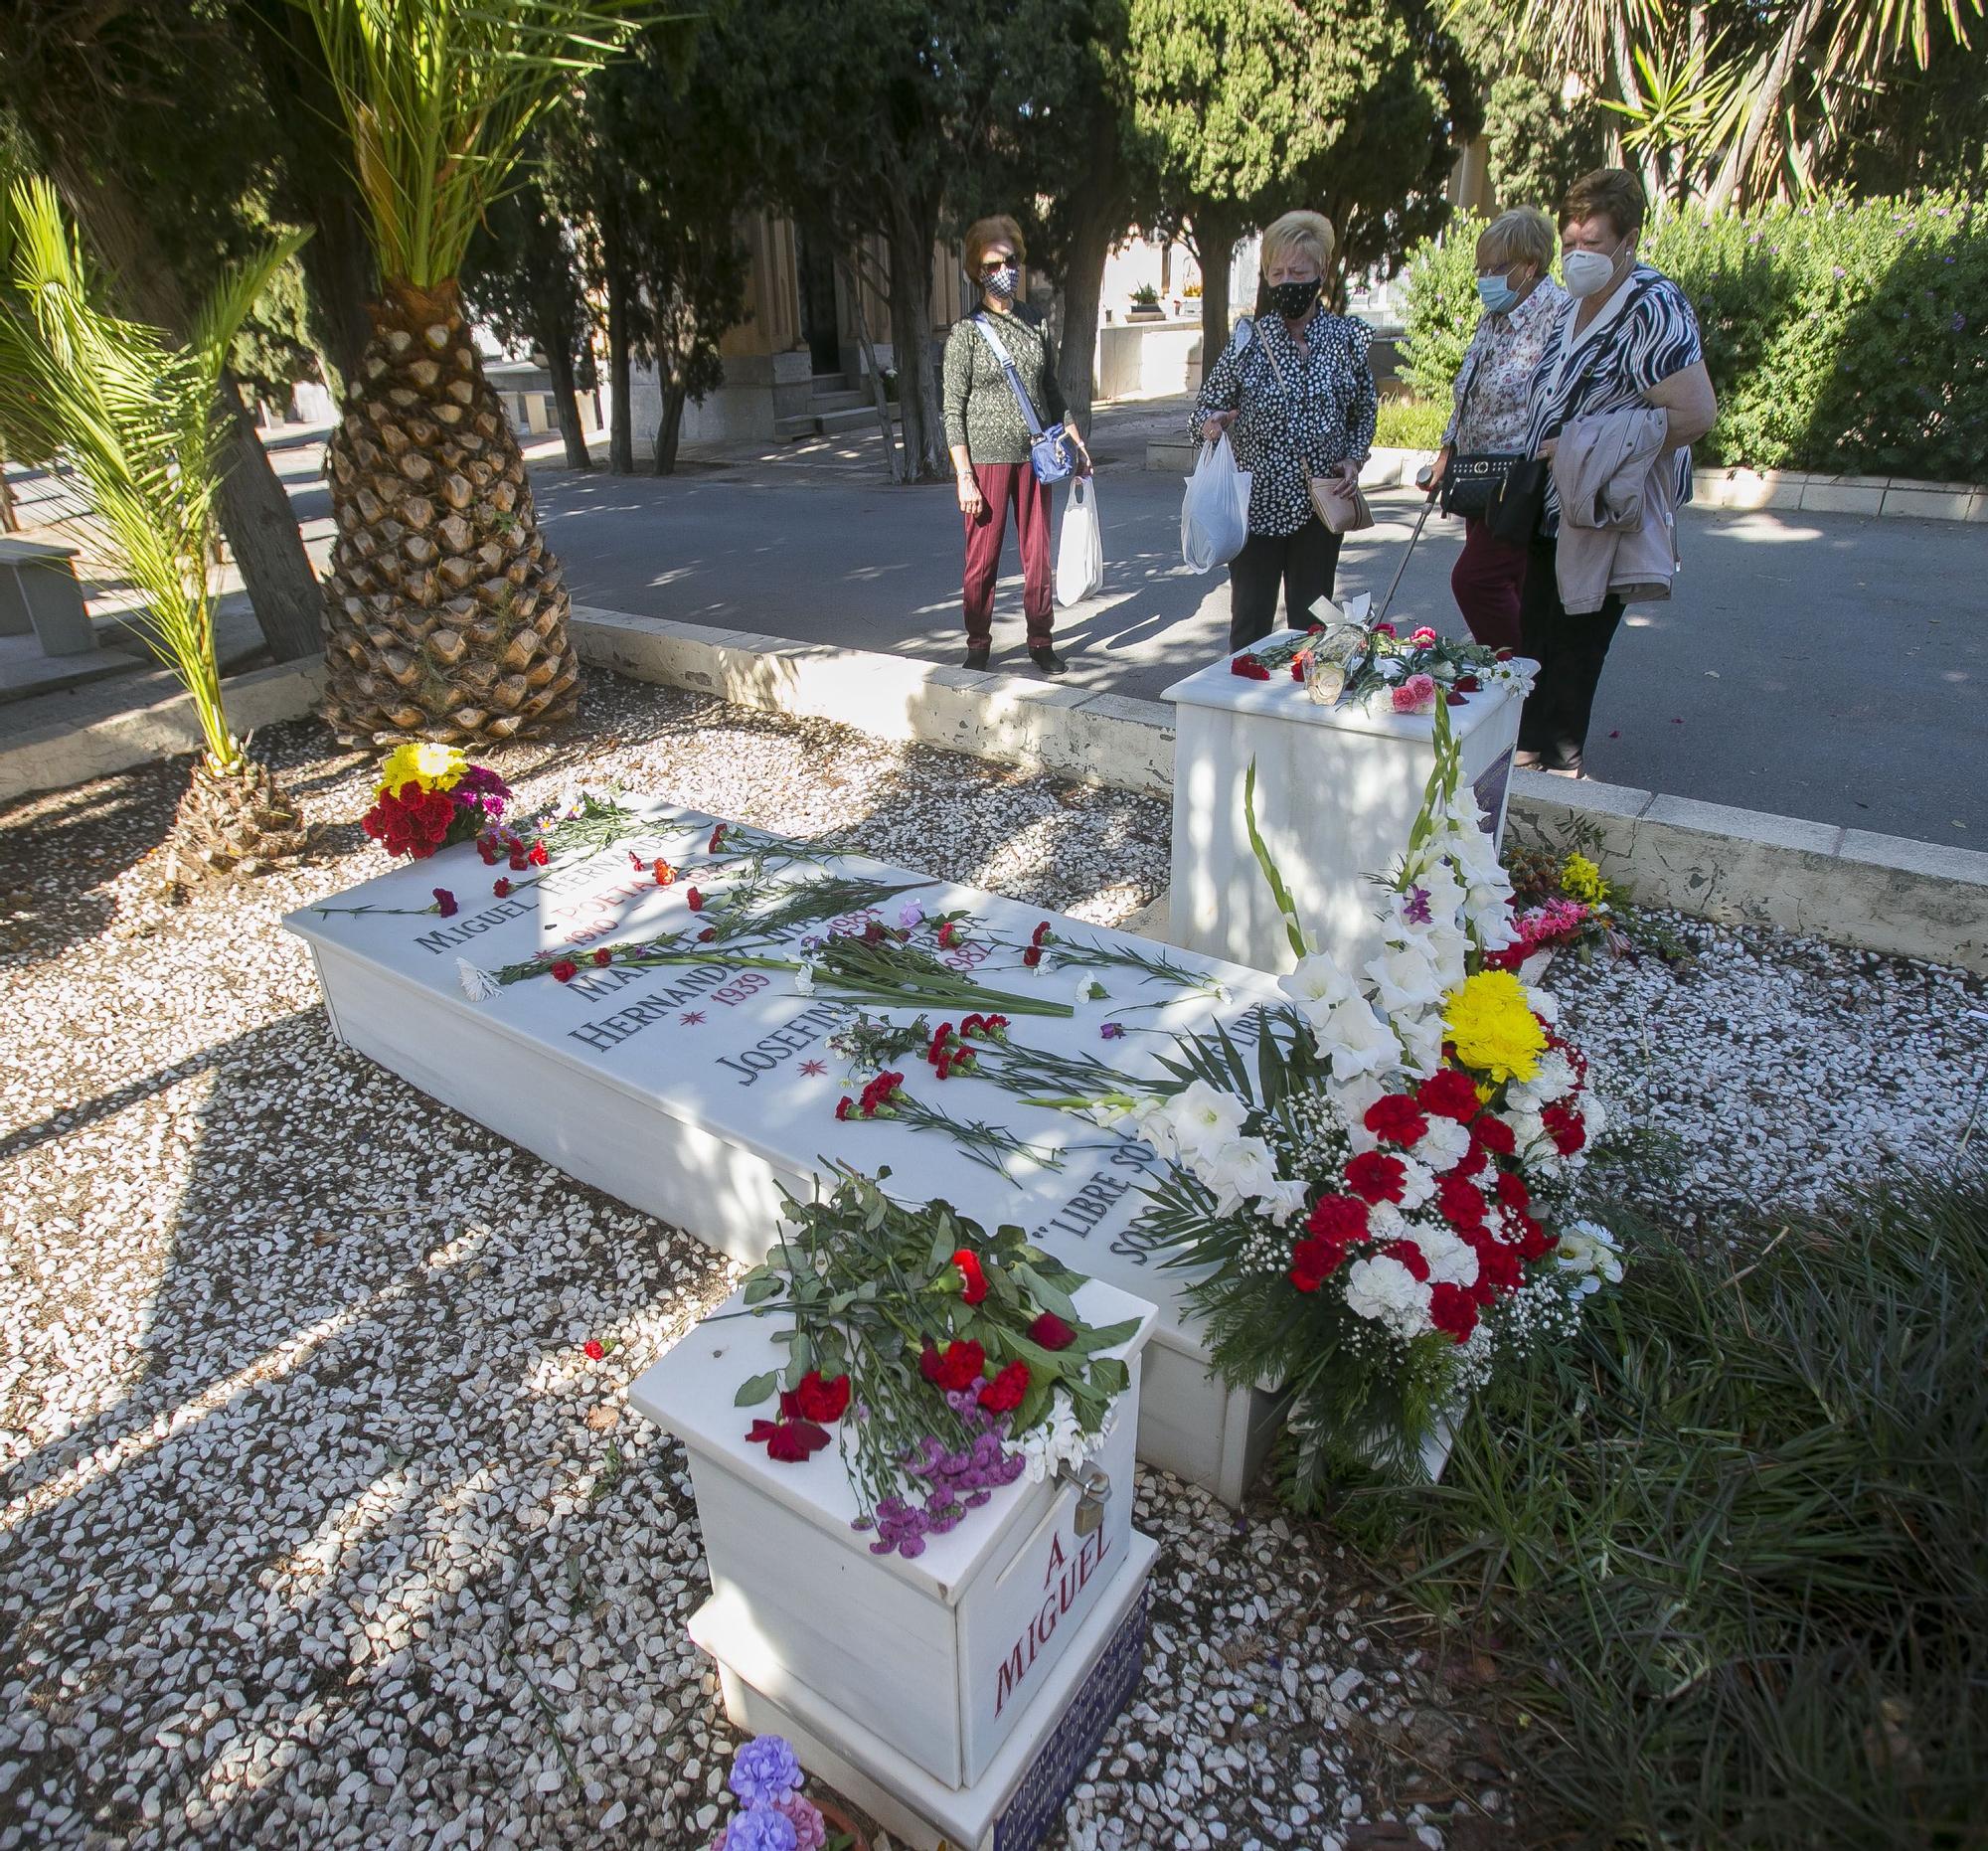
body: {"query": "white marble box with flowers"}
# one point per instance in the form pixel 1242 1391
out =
pixel 911 1439
pixel 671 1009
pixel 1339 725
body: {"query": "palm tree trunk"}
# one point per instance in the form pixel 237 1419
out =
pixel 447 614
pixel 1728 189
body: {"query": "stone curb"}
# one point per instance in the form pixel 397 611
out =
pixel 53 756
pixel 1899 497
pixel 1741 867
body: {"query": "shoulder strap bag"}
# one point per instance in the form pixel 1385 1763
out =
pixel 1519 503
pixel 1049 451
pixel 1340 508
pixel 1473 476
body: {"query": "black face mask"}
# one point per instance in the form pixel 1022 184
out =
pixel 1292 299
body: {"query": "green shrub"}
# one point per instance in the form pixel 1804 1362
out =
pixel 1409 424
pixel 1731 1545
pixel 1845 339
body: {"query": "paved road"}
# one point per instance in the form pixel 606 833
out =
pixel 1822 666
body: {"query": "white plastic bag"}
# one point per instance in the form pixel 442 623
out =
pixel 1214 511
pixel 1079 566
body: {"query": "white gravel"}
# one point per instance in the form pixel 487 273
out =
pixel 316 1526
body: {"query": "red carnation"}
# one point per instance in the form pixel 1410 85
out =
pixel 1498 1268
pixel 1394 1119
pixel 873 933
pixel 664 873
pixel 1004 1394
pixel 1448 1093
pixel 1052 1332
pixel 1452 699
pixel 944 1066
pixel 1411 1257
pixel 1460 1203
pixel 1505 655
pixel 959 1367
pixel 790 1442
pixel 604 956
pixel 992 1027
pixel 593 1349
pixel 706 934
pixel 841 1107
pixel 488 850
pixel 1566 1129
pixel 1468 684
pixel 1339 1219
pixel 717 840
pixel 949 934
pixel 971 1024
pixel 537 855
pixel 1298 671
pixel 1040 934
pixel 1315 1262
pixel 1376 1177
pixel 1512 1191
pixel 515 862
pixel 1452 1309
pixel 501 888
pixel 445 903
pixel 1472 1161
pixel 1248 668
pixel 1532 1240
pixel 1494 1134
pixel 1384 629
pixel 819 1400
pixel 694 899
pixel 566 971
pixel 1032 957
pixel 973 1283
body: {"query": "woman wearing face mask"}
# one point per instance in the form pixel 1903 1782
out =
pixel 1632 345
pixel 1296 394
pixel 989 440
pixel 1490 402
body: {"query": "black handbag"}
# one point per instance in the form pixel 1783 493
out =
pixel 1473 477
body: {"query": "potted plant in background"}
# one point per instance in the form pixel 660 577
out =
pixel 1145 304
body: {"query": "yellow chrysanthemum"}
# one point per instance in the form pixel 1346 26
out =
pixel 433 767
pixel 1494 1030
pixel 1582 879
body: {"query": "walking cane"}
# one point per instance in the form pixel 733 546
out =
pixel 1422 481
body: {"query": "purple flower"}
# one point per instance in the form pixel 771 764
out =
pixel 910 914
pixel 445 903
pixel 1416 906
pixel 1111 1031
pixel 760 1828
pixel 764 1769
pixel 480 789
pixel 810 1834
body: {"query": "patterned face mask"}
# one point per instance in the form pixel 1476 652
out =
pixel 1000 285
pixel 1291 299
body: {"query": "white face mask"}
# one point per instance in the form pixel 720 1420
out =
pixel 1587 272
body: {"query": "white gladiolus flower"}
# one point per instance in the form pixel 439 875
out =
pixel 1155 1123
pixel 1351 1100
pixel 1203 1118
pixel 1591 1254
pixel 1318 986
pixel 1443 1146
pixel 804 978
pixel 1406 981
pixel 1385 1290
pixel 478 985
pixel 1246 1169
pixel 1284 1201
pixel 1358 1041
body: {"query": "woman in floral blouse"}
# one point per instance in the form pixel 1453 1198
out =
pixel 1296 394
pixel 1523 307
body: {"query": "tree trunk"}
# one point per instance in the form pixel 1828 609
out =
pixel 255 512
pixel 620 430
pixel 566 397
pixel 851 275
pixel 914 231
pixel 1728 189
pixel 1098 211
pixel 262 529
pixel 670 432
pixel 10 522
pixel 1215 241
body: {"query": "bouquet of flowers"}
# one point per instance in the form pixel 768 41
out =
pixel 949 1360
pixel 1386 1205
pixel 430 797
pixel 773 1814
pixel 1562 902
pixel 1370 664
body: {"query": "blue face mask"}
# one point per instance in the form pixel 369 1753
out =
pixel 1496 295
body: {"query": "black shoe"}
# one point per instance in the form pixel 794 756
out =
pixel 977 659
pixel 1048 660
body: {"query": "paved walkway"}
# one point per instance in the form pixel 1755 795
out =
pixel 1812 665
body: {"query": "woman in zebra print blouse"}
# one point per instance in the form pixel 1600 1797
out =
pixel 1630 342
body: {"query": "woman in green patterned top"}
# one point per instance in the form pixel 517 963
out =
pixel 989 440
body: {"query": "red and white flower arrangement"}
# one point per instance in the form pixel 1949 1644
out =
pixel 430 797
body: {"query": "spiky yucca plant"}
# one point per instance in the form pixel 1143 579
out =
pixel 138 417
pixel 446 614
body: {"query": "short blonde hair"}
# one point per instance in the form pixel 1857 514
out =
pixel 984 232
pixel 1524 235
pixel 1309 232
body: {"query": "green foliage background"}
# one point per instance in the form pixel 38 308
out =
pixel 1841 338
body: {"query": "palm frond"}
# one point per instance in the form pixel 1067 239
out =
pixel 438 97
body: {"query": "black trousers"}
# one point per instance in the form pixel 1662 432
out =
pixel 1570 651
pixel 1302 563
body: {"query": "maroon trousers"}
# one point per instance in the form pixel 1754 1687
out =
pixel 1002 486
pixel 1486 581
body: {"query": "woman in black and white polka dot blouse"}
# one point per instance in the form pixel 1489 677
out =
pixel 1297 396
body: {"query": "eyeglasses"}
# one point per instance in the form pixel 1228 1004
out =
pixel 989 265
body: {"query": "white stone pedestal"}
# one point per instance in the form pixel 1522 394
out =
pixel 928 1683
pixel 1337 791
pixel 695 1095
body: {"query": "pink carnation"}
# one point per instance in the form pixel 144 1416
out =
pixel 1416 695
pixel 1422 638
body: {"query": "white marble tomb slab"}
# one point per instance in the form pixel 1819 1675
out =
pixel 698 1094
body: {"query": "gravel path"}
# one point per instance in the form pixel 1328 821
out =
pixel 317 1527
